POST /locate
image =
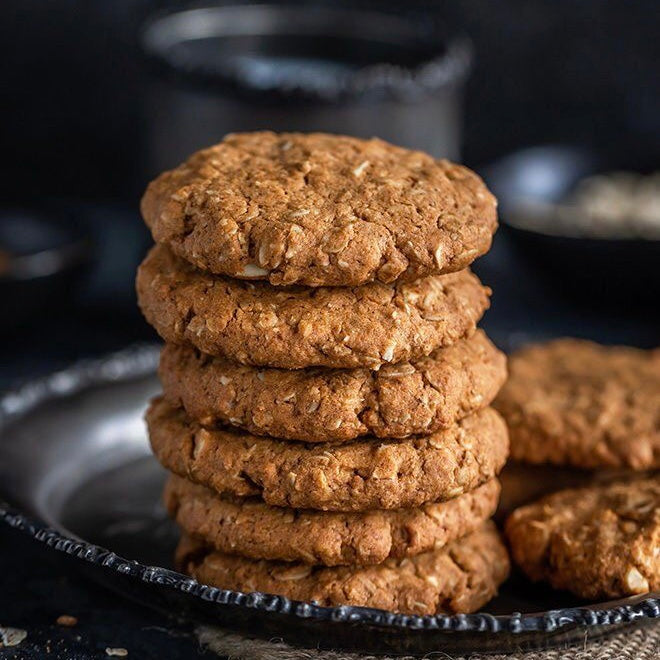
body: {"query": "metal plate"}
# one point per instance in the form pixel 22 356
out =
pixel 76 474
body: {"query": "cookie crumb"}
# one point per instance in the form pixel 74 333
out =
pixel 66 620
pixel 11 636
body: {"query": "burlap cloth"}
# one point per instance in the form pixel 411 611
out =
pixel 636 644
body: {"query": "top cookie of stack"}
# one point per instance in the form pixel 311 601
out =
pixel 320 210
pixel 323 368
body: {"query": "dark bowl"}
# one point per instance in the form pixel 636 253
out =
pixel 43 256
pixel 593 270
pixel 285 66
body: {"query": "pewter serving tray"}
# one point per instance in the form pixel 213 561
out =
pixel 76 475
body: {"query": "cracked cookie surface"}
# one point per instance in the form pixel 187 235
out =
pixel 337 405
pixel 598 542
pixel 291 328
pixel 318 209
pixel 574 402
pixel 355 476
pixel 252 529
pixel 461 577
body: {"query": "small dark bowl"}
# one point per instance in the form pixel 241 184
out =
pixel 43 257
pixel 593 270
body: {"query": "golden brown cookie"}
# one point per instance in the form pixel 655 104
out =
pixel 573 402
pixel 461 577
pixel 364 474
pixel 249 528
pixel 318 209
pixel 336 405
pixel 598 542
pixel 258 324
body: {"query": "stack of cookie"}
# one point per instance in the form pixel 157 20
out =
pixel 325 407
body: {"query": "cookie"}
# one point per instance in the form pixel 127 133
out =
pixel 364 474
pixel 319 210
pixel 257 324
pixel 598 542
pixel 336 405
pixel 461 577
pixel 573 402
pixel 252 529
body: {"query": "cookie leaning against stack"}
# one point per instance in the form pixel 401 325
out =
pixel 325 409
pixel 571 402
pixel 574 404
pixel 578 413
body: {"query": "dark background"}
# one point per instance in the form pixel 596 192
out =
pixel 72 127
pixel 546 70
pixel 74 124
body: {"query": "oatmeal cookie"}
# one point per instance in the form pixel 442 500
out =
pixel 576 403
pixel 319 210
pixel 336 405
pixel 258 324
pixel 249 528
pixel 461 577
pixel 598 542
pixel 356 476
